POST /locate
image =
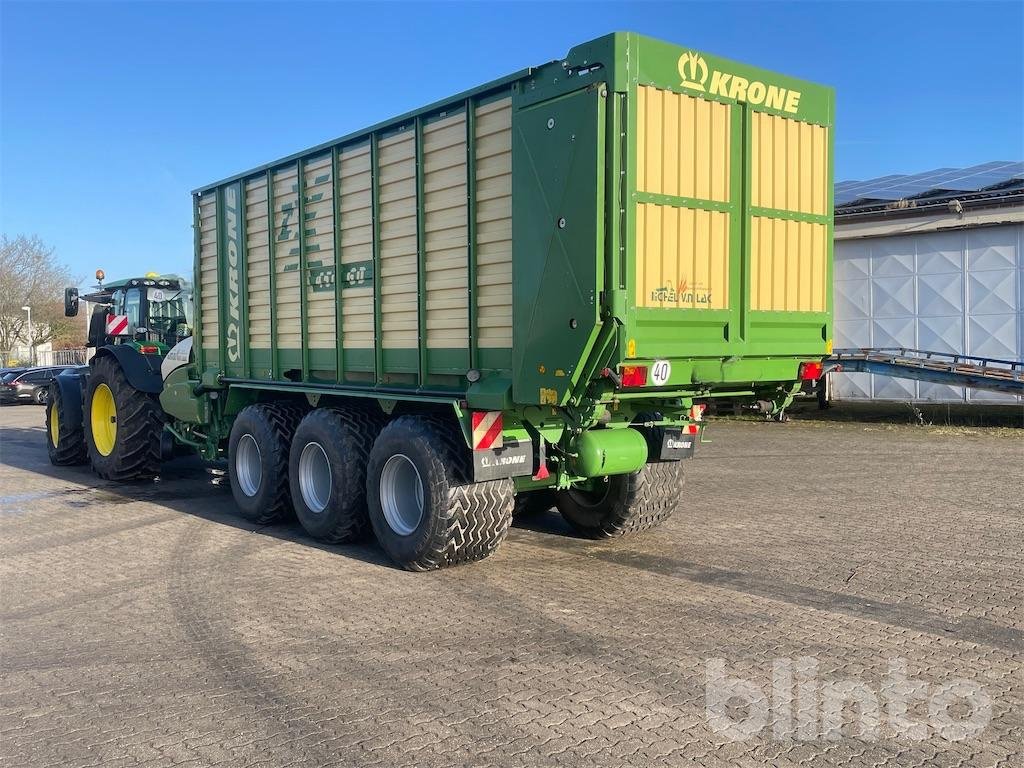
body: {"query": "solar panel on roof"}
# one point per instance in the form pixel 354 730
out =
pixel 909 186
pixel 856 190
pixel 904 186
pixel 990 174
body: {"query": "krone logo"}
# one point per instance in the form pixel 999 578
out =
pixel 231 217
pixel 693 70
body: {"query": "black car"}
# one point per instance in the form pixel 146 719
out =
pixel 28 385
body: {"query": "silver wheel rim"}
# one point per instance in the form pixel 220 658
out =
pixel 401 494
pixel 248 465
pixel 315 477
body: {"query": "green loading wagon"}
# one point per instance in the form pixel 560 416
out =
pixel 519 295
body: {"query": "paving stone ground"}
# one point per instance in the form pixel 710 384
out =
pixel 148 626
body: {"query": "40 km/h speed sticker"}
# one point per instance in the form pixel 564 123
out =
pixel 660 372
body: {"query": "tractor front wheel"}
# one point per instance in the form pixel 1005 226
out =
pixel 65 437
pixel 122 425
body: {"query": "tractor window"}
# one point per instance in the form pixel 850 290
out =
pixel 132 308
pixel 170 313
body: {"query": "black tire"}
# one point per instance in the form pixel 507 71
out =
pixel 653 436
pixel 67 447
pixel 530 503
pixel 626 503
pixel 270 426
pixel 345 438
pixel 461 521
pixel 40 396
pixel 135 453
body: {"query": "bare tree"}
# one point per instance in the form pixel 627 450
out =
pixel 31 276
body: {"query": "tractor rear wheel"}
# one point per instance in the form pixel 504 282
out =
pixel 122 425
pixel 258 460
pixel 623 504
pixel 327 471
pixel 425 510
pixel 65 439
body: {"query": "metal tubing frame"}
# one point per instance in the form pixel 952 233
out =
pixel 951 378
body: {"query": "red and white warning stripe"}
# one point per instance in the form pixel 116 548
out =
pixel 487 430
pixel 117 324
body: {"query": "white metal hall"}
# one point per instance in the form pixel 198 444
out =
pixel 930 262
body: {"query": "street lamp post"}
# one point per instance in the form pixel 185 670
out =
pixel 30 349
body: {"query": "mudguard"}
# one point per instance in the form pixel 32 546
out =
pixel 71 386
pixel 142 371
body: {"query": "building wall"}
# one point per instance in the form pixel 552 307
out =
pixel 956 291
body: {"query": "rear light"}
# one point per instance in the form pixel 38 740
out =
pixel 697 412
pixel 810 371
pixel 634 375
pixel 149 349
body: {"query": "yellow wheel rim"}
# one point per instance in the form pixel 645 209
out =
pixel 103 415
pixel 54 425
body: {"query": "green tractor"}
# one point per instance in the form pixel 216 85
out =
pixel 109 414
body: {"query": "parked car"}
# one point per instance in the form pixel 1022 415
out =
pixel 28 385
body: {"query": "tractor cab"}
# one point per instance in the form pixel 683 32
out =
pixel 152 313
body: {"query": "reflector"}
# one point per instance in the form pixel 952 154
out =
pixel 634 375
pixel 810 371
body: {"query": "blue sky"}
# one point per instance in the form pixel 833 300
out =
pixel 112 113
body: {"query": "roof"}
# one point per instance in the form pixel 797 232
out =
pixel 150 280
pixel 978 183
